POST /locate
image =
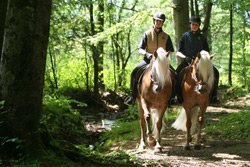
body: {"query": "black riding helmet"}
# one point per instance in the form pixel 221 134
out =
pixel 195 19
pixel 159 16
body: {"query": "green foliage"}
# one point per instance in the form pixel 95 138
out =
pixel 235 126
pixel 113 158
pixel 121 133
pixel 234 92
pixel 62 120
pixel 129 114
pixel 128 129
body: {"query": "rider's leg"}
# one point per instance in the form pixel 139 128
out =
pixel 171 100
pixel 215 87
pixel 179 80
pixel 130 100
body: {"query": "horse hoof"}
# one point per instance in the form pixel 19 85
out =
pixel 152 142
pixel 158 150
pixel 197 147
pixel 186 148
pixel 142 147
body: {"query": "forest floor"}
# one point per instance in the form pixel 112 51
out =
pixel 215 150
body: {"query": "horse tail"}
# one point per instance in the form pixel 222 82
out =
pixel 155 117
pixel 180 122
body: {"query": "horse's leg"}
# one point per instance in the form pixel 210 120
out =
pixel 151 140
pixel 142 124
pixel 188 125
pixel 197 144
pixel 160 113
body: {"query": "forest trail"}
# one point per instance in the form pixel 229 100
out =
pixel 215 151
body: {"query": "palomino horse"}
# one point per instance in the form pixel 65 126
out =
pixel 154 94
pixel 195 91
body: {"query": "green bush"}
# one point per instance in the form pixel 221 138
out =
pixel 235 126
pixel 62 121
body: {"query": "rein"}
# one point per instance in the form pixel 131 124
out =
pixel 195 76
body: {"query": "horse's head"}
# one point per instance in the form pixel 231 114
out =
pixel 202 71
pixel 159 68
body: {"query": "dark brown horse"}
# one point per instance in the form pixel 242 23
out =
pixel 195 91
pixel 153 95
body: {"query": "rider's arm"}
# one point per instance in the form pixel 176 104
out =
pixel 180 48
pixel 142 51
pixel 181 55
pixel 143 44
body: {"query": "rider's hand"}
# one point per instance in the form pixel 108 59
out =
pixel 188 60
pixel 148 55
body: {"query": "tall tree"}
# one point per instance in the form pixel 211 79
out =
pixel 208 11
pixel 231 47
pixel 22 70
pixel 3 9
pixel 100 28
pixel 180 19
pixel 97 51
pixel 192 7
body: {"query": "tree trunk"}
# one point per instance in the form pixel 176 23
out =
pixel 94 52
pixel 100 44
pixel 22 69
pixel 244 71
pixel 52 61
pixel 207 18
pixel 192 7
pixel 231 47
pixel 197 12
pixel 181 20
pixel 3 9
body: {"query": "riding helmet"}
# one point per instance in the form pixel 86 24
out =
pixel 159 16
pixel 195 19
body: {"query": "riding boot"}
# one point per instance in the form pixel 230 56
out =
pixel 130 100
pixel 171 100
pixel 178 91
pixel 178 88
pixel 213 98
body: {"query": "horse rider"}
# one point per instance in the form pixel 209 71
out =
pixel 152 39
pixel 190 44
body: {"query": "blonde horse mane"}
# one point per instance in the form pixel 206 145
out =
pixel 160 67
pixel 205 67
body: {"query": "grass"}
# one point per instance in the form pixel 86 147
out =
pixel 124 132
pixel 235 126
pixel 127 131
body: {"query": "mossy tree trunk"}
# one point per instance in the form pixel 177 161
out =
pixel 3 9
pixel 180 19
pixel 22 69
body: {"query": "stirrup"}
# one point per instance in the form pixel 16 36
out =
pixel 129 101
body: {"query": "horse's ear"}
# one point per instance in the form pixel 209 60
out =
pixel 168 54
pixel 155 54
pixel 212 56
pixel 199 55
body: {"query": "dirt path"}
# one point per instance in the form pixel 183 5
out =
pixel 215 151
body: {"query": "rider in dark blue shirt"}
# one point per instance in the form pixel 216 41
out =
pixel 190 44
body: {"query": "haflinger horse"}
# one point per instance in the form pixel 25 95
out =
pixel 153 95
pixel 196 89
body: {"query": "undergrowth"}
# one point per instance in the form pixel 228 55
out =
pixel 235 126
pixel 62 121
